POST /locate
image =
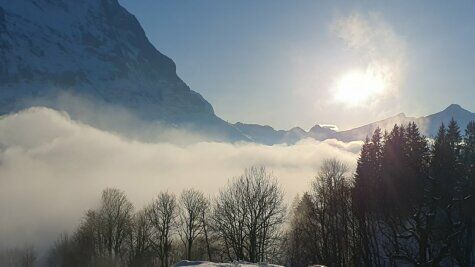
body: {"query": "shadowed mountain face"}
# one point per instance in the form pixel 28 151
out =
pixel 94 49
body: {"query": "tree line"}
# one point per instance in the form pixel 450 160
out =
pixel 409 202
pixel 243 222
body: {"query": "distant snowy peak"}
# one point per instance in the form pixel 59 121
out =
pixel 320 132
pixel 428 125
pixel 269 136
pixel 431 123
pixel 260 134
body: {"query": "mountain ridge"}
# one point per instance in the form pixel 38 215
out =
pixel 427 124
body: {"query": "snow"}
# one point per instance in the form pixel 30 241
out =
pixel 214 264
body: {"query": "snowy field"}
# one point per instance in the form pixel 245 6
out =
pixel 214 264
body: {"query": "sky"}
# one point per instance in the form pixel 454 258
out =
pixel 288 63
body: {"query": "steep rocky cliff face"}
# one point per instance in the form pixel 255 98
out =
pixel 96 49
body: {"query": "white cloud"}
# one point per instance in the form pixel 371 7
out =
pixel 52 169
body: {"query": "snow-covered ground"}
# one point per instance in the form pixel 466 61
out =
pixel 215 264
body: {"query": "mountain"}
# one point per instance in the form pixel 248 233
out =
pixel 361 132
pixel 320 132
pixel 261 134
pixel 269 136
pixel 97 50
pixel 428 126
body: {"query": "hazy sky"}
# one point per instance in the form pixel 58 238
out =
pixel 279 62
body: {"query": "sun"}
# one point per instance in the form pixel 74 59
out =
pixel 357 87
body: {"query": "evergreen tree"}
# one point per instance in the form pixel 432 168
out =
pixel 467 185
pixel 368 173
pixel 367 197
pixel 417 155
pixel 447 171
pixel 394 168
pixel 469 150
pixel 454 138
pixel 440 171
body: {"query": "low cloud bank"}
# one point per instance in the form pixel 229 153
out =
pixel 52 169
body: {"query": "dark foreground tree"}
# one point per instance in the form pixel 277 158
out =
pixel 421 204
pixel 366 194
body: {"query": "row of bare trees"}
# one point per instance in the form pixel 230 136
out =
pixel 24 256
pixel 242 223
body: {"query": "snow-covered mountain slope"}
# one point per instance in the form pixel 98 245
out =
pixel 360 133
pixel 95 49
pixel 428 124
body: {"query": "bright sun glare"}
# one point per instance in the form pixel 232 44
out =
pixel 355 88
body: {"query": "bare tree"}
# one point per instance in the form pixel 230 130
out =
pixel 248 215
pixel 115 216
pixel 332 217
pixel 140 245
pixel 102 235
pixel 193 204
pixel 18 257
pixel 162 214
pixel 322 225
pixel 61 253
pixel 205 222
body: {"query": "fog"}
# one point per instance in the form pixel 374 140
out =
pixel 53 168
